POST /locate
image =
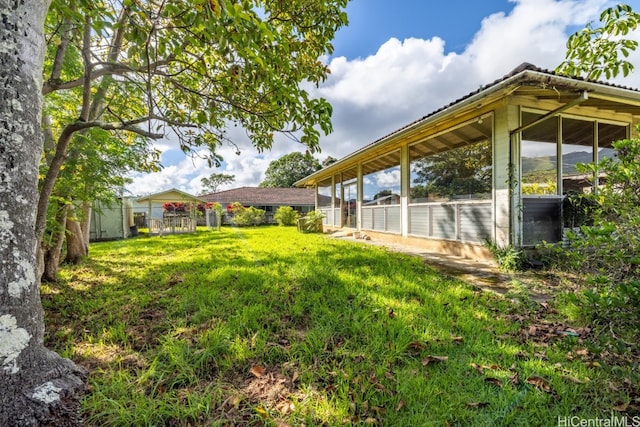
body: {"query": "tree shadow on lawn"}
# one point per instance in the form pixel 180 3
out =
pixel 326 334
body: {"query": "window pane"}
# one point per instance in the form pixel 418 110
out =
pixel 324 194
pixel 381 181
pixel 338 191
pixel 350 192
pixel 539 156
pixel 577 148
pixel 607 135
pixel 460 173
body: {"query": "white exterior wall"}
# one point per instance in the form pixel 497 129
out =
pixel 505 211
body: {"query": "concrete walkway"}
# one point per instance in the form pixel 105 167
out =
pixel 485 275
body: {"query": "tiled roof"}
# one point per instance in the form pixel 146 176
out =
pixel 263 196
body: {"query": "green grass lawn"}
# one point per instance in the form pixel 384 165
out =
pixel 270 327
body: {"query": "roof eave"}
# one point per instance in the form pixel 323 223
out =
pixel 497 88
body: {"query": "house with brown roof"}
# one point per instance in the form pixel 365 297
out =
pixel 268 199
pixel 494 165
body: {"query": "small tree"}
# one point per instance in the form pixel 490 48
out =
pixel 605 250
pixel 312 222
pixel 211 183
pixel 217 208
pixel 606 254
pixel 286 216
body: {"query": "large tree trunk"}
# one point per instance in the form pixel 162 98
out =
pixel 37 387
pixel 77 250
pixel 53 249
pixel 85 224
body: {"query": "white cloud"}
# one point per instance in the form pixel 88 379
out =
pixel 406 80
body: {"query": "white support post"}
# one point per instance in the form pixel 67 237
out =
pixel 405 189
pixel 359 190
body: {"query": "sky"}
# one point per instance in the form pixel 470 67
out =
pixel 397 62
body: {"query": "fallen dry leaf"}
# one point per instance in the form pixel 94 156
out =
pixel 621 407
pixel 401 405
pixel 514 379
pixel 257 371
pixel 371 421
pixel 379 411
pixel 540 384
pixel 456 339
pixel 477 367
pixel 430 359
pixel 286 407
pixel 477 404
pixel 416 346
pixel 494 381
pixel 573 379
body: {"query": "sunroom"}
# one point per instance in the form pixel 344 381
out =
pixel 494 165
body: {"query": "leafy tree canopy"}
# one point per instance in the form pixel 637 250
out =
pixel 329 160
pixel 191 67
pixel 197 65
pixel 595 50
pixel 290 168
pixel 381 194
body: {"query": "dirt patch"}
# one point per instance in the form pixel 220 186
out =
pixel 147 328
pixel 262 393
pixel 268 388
pixel 103 356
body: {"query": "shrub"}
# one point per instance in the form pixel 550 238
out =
pixel 286 216
pixel 578 209
pixel 243 216
pixel 508 257
pixel 605 252
pixel 312 222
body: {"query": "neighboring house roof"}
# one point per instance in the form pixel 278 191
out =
pixel 525 80
pixel 169 196
pixel 263 196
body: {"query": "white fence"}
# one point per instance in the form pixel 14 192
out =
pixel 465 221
pixel 171 225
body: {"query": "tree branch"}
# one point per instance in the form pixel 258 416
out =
pixel 86 59
pixel 106 69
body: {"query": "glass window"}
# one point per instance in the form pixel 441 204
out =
pixel 349 205
pixel 324 194
pixel 539 156
pixel 337 190
pixel 381 181
pixel 461 173
pixel 456 164
pixel 607 135
pixel 577 148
